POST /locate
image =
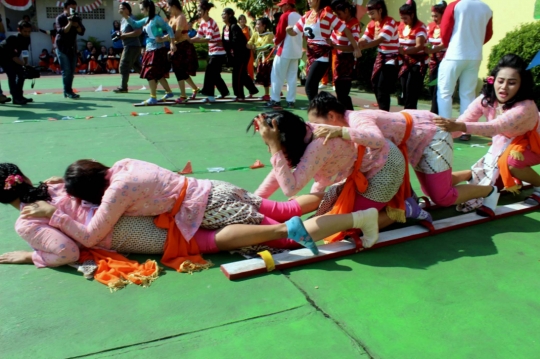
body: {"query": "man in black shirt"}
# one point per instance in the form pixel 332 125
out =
pixel 68 26
pixel 11 50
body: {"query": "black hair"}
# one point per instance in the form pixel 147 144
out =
pixel 525 91
pixel 323 4
pixel 24 25
pixel 266 22
pixel 205 5
pixel 47 51
pixel 86 180
pixel 242 16
pixel 149 4
pixel 376 5
pixel 175 3
pixel 23 191
pixel 116 22
pixel 342 5
pixel 26 16
pixel 69 3
pixel 325 102
pixel 439 8
pixel 410 9
pixel 230 12
pixel 126 5
pixel 293 131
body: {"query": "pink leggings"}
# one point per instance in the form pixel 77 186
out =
pixel 531 159
pixel 362 203
pixel 274 213
pixel 438 186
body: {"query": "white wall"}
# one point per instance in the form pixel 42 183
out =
pixel 96 28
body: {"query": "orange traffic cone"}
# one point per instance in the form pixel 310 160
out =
pixel 257 164
pixel 167 111
pixel 134 114
pixel 187 169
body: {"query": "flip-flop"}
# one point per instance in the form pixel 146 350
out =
pixel 297 232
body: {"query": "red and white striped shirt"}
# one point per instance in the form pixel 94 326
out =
pixel 318 32
pixel 407 40
pixel 434 34
pixel 339 38
pixel 386 29
pixel 209 30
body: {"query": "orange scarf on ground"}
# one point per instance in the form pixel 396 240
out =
pixel 515 150
pixel 356 182
pixel 396 207
pixel 116 271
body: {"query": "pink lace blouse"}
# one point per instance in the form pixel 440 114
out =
pixel 138 188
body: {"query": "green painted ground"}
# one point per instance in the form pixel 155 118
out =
pixel 471 293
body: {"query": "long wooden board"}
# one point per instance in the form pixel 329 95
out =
pixel 250 267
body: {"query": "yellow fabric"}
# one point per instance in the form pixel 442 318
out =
pixel 268 260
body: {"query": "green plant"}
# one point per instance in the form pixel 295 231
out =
pixel 202 51
pixel 257 8
pixel 94 40
pixel 524 41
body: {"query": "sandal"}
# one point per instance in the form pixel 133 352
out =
pixel 297 232
pixel 465 137
pixel 195 93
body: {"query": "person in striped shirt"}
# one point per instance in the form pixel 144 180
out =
pixel 209 33
pixel 345 63
pixel 381 32
pixel 436 51
pixel 412 40
pixel 317 25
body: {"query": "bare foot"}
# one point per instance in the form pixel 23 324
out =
pixel 17 257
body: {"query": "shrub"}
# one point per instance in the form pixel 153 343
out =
pixel 525 42
pixel 202 51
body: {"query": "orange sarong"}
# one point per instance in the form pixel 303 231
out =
pixel 396 207
pixel 356 182
pixel 515 149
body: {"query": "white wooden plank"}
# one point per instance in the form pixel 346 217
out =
pixel 410 232
pixel 297 255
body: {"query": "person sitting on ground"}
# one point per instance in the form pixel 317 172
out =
pixel 507 102
pixel 103 56
pixel 94 63
pixel 112 61
pixel 45 59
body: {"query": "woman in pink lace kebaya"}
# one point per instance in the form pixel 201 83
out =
pixel 512 122
pixel 113 208
pixel 298 157
pixel 429 149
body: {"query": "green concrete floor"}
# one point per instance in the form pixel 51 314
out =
pixel 470 293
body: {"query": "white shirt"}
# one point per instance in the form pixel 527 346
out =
pixel 471 18
pixel 292 45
